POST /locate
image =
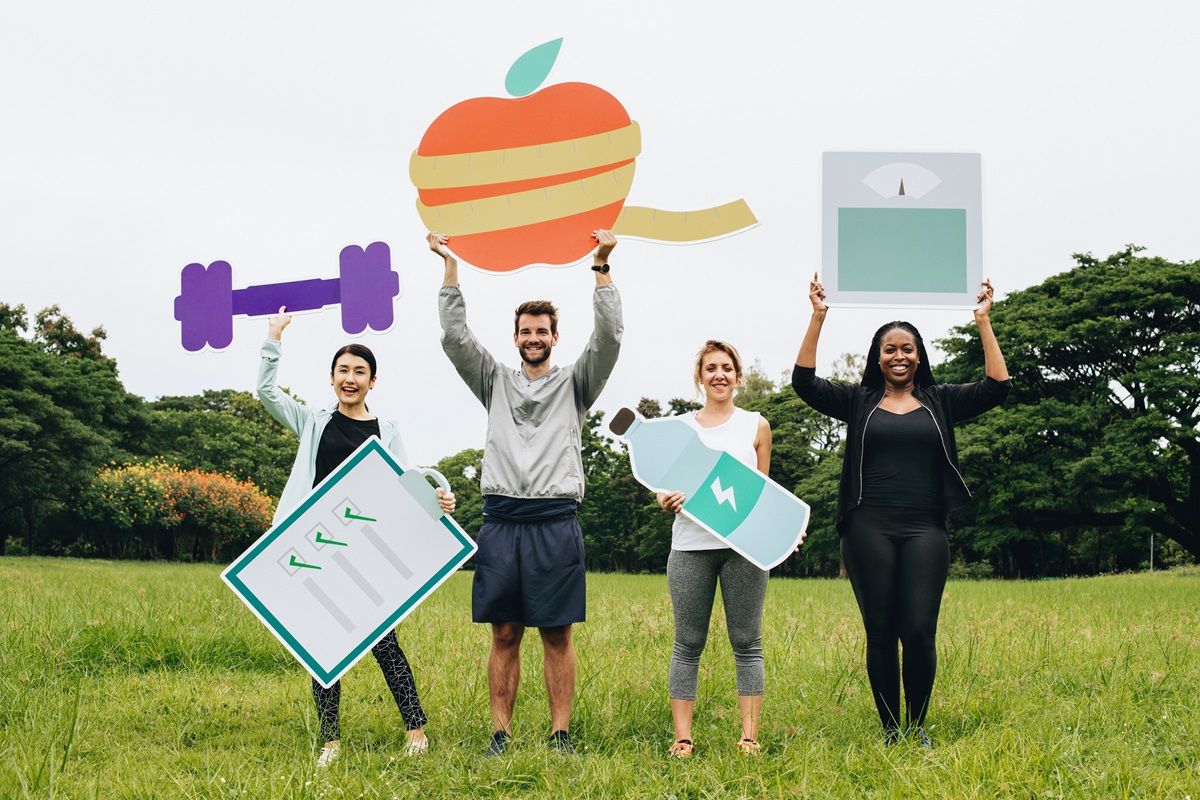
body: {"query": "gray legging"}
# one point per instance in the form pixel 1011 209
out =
pixel 692 577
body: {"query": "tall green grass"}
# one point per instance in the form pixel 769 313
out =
pixel 153 680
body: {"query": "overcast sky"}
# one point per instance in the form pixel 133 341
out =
pixel 140 136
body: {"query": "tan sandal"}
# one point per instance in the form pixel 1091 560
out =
pixel 681 749
pixel 749 747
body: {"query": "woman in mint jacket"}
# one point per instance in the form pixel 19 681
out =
pixel 327 437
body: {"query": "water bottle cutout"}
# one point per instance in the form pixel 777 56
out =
pixel 738 504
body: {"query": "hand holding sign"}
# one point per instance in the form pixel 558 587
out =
pixel 744 508
pixel 366 546
pixel 902 228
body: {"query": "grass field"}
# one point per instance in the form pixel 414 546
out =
pixel 153 680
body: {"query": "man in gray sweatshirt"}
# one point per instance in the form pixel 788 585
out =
pixel 529 570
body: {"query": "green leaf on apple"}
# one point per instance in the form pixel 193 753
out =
pixel 527 72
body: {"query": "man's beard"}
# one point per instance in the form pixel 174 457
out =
pixel 537 358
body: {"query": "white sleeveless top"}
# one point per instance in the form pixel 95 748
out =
pixel 735 436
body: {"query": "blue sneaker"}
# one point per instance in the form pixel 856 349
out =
pixel 497 745
pixel 891 737
pixel 923 737
pixel 560 741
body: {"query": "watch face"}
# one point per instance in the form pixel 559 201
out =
pixel 601 268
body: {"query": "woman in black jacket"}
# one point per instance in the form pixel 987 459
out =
pixel 900 478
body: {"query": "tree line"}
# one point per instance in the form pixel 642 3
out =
pixel 1091 466
pixel 90 469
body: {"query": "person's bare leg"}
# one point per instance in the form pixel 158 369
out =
pixel 750 708
pixel 681 715
pixel 504 672
pixel 558 653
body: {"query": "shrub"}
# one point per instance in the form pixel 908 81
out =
pixel 960 570
pixel 154 508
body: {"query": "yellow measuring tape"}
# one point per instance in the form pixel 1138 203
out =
pixel 684 227
pixel 522 163
pixel 564 199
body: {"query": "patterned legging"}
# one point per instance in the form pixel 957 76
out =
pixel 399 679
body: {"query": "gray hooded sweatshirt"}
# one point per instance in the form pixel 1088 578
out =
pixel 533 448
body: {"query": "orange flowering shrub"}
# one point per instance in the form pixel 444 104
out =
pixel 157 502
pixel 130 496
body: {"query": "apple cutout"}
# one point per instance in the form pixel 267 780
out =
pixel 524 180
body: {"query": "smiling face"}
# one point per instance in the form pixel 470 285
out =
pixel 899 357
pixel 352 379
pixel 534 338
pixel 718 372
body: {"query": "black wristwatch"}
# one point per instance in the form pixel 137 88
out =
pixel 601 268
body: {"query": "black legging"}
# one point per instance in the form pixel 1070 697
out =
pixel 897 561
pixel 399 679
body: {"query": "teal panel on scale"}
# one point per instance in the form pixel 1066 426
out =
pixel 902 250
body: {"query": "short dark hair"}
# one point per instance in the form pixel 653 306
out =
pixel 354 349
pixel 872 376
pixel 536 308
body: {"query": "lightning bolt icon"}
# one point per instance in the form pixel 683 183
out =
pixel 723 495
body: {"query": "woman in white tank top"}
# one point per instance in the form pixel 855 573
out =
pixel 699 560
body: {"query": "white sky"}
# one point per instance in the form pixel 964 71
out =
pixel 140 136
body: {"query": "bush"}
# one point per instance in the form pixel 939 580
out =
pixel 156 509
pixel 1172 554
pixel 960 570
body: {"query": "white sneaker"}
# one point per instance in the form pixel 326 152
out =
pixel 327 756
pixel 417 747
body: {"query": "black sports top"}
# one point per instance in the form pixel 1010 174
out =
pixel 341 437
pixel 902 460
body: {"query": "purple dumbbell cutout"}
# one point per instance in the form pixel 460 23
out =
pixel 365 288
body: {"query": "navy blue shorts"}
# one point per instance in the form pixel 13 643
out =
pixel 530 572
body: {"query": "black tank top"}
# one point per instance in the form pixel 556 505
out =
pixel 902 461
pixel 341 437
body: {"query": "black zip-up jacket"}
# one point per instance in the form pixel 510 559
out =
pixel 853 404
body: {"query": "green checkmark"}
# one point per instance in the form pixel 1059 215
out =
pixel 322 540
pixel 296 563
pixel 364 519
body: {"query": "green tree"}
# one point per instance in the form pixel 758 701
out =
pixel 805 459
pixel 848 367
pixel 1098 444
pixel 63 413
pixel 649 408
pixel 140 509
pixel 679 406
pixel 755 386
pixel 462 470
pixel 617 513
pixel 97 397
pixel 222 431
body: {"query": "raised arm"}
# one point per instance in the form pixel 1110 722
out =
pixel 278 404
pixel 606 242
pixel 591 370
pixel 437 243
pixel 831 398
pixel 473 362
pixel 807 357
pixel 993 359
